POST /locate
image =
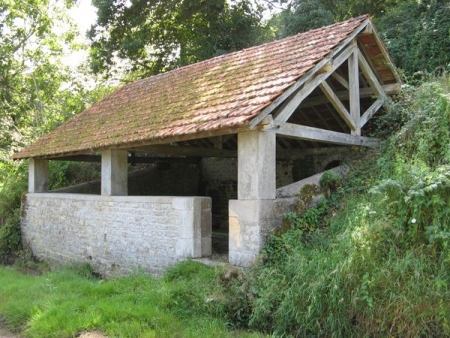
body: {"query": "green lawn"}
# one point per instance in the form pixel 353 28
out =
pixel 65 302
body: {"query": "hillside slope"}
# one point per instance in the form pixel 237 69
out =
pixel 374 259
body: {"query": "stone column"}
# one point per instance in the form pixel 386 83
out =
pixel 37 175
pixel 256 165
pixel 114 173
pixel 251 216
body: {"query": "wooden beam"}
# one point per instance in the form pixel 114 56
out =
pixel 79 158
pixel 284 114
pixel 371 77
pixel 353 76
pixel 217 142
pixel 307 76
pixel 131 159
pixel 320 135
pixel 185 151
pixel 337 104
pixel 370 112
pixel 340 79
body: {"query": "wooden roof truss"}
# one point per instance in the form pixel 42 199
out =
pixel 337 100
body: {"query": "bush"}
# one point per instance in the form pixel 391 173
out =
pixel 14 176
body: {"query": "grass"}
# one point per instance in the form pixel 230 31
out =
pixel 65 302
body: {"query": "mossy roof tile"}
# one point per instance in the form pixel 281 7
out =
pixel 223 92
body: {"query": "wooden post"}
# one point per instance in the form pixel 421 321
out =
pixel 353 75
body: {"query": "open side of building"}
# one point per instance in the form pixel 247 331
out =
pixel 232 129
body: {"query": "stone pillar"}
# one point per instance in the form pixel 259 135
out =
pixel 114 173
pixel 194 237
pixel 37 175
pixel 256 165
pixel 251 216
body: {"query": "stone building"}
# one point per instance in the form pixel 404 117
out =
pixel 222 136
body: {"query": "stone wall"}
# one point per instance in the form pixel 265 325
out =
pixel 116 234
pixel 251 222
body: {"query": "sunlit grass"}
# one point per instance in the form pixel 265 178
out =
pixel 63 303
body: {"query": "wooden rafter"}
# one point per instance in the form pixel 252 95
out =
pixel 376 87
pixel 370 27
pixel 370 112
pixel 340 79
pixel 186 151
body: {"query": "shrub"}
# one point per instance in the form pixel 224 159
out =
pixel 14 176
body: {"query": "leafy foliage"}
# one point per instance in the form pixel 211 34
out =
pixel 156 36
pixel 37 93
pixel 422 42
pixel 10 199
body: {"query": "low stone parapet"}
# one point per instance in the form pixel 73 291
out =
pixel 117 234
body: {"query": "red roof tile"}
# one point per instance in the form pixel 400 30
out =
pixel 223 92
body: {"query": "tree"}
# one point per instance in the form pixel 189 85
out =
pixel 37 92
pixel 155 36
pixel 417 35
pixel 303 15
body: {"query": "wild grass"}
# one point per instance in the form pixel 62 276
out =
pixel 65 302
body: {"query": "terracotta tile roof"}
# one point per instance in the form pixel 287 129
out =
pixel 223 92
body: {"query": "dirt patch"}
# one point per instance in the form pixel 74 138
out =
pixel 91 334
pixel 4 334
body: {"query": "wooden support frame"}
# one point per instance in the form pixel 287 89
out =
pixel 307 77
pixel 389 89
pixel 320 135
pixel 377 88
pixel 284 114
pixel 339 78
